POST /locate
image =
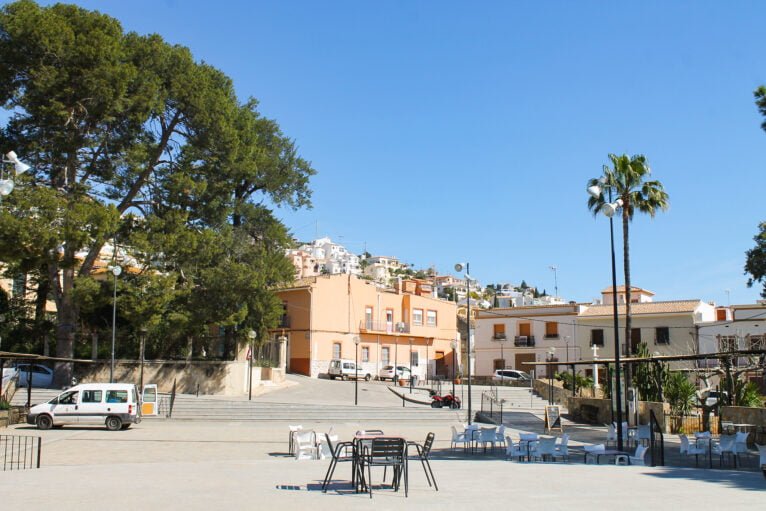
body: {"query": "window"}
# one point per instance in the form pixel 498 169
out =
pixel 117 396
pixel 727 343
pixel 368 318
pixel 385 355
pixel 417 316
pixel 720 315
pixel 389 320
pixel 662 335
pixel 365 353
pixel 336 350
pixel 91 396
pixel 414 359
pixel 551 330
pixel 498 331
pixel 431 318
pixel 597 337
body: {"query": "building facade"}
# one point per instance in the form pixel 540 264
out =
pixel 401 326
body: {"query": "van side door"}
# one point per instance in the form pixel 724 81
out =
pixel 149 402
pixel 92 410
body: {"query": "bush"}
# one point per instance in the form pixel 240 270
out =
pixel 4 404
pixel 581 381
pixel 680 393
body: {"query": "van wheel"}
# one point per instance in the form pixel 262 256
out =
pixel 113 423
pixel 344 377
pixel 44 422
pixel 367 378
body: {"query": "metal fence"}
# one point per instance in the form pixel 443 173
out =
pixel 20 452
pixel 267 354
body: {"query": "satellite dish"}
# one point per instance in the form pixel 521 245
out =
pixel 459 267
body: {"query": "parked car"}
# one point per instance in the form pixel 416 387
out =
pixel 114 405
pixel 387 373
pixel 510 375
pixel 42 376
pixel 712 397
pixel 345 369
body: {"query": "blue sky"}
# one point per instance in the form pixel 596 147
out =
pixel 446 131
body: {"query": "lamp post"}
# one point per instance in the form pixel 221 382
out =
pixel 356 367
pixel 142 332
pixel 411 365
pixel 251 335
pixel 400 327
pixel 458 268
pixel 502 340
pixel 453 344
pixel 554 269
pixel 551 353
pixel 609 209
pixel 6 182
pixel 116 270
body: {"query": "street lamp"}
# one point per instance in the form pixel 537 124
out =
pixel 609 209
pixel 400 328
pixel 411 365
pixel 356 366
pixel 453 344
pixel 251 335
pixel 116 270
pixel 458 268
pixel 502 340
pixel 554 269
pixel 142 332
pixel 6 181
pixel 551 353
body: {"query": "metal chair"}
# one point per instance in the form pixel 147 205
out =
pixel 387 452
pixel 424 452
pixel 341 452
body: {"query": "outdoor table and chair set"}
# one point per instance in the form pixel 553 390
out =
pixel 368 449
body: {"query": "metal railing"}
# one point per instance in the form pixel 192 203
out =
pixel 524 341
pixel 384 326
pixel 656 448
pixel 20 452
pixel 491 404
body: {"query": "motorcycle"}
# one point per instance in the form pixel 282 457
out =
pixel 447 400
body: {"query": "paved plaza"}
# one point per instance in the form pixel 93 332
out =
pixel 224 464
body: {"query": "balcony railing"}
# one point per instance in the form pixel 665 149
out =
pixel 499 337
pixel 384 326
pixel 526 341
pixel 551 336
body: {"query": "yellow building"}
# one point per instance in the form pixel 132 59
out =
pixel 401 326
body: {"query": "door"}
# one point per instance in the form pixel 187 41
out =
pixel 149 401
pixel 441 367
pixel 635 340
pixel 65 411
pixel 91 407
pixel 525 357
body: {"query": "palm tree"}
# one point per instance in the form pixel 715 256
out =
pixel 626 179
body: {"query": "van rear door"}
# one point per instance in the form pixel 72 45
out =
pixel 149 402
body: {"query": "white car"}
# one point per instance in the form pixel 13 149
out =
pixel 42 376
pixel 345 369
pixel 387 373
pixel 510 375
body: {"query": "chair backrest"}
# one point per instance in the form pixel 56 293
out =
pixel 564 440
pixel 546 445
pixel 429 442
pixel 370 432
pixel 307 437
pixel 684 443
pixel 741 437
pixel 388 448
pixel 727 442
pixel 501 431
pixel 487 434
pixel 640 452
pixel 762 454
pixel 455 434
pixel 329 445
pixel 295 428
pixel 612 433
pixel 702 434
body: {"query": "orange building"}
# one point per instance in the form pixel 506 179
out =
pixel 401 326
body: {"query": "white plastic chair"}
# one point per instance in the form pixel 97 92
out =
pixel 688 449
pixel 305 445
pixel 514 450
pixel 611 434
pixel 762 455
pixel 593 449
pixel 291 441
pixel 740 443
pixel 726 446
pixel 639 457
pixel 562 451
pixel 458 438
pixel 500 435
pixel 544 447
pixel 487 436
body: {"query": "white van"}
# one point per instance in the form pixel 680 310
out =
pixel 345 369
pixel 115 405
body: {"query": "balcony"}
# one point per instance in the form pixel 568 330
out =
pixel 500 337
pixel 551 336
pixel 524 341
pixel 383 326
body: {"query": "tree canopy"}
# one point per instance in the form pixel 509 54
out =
pixel 134 143
pixel 755 263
